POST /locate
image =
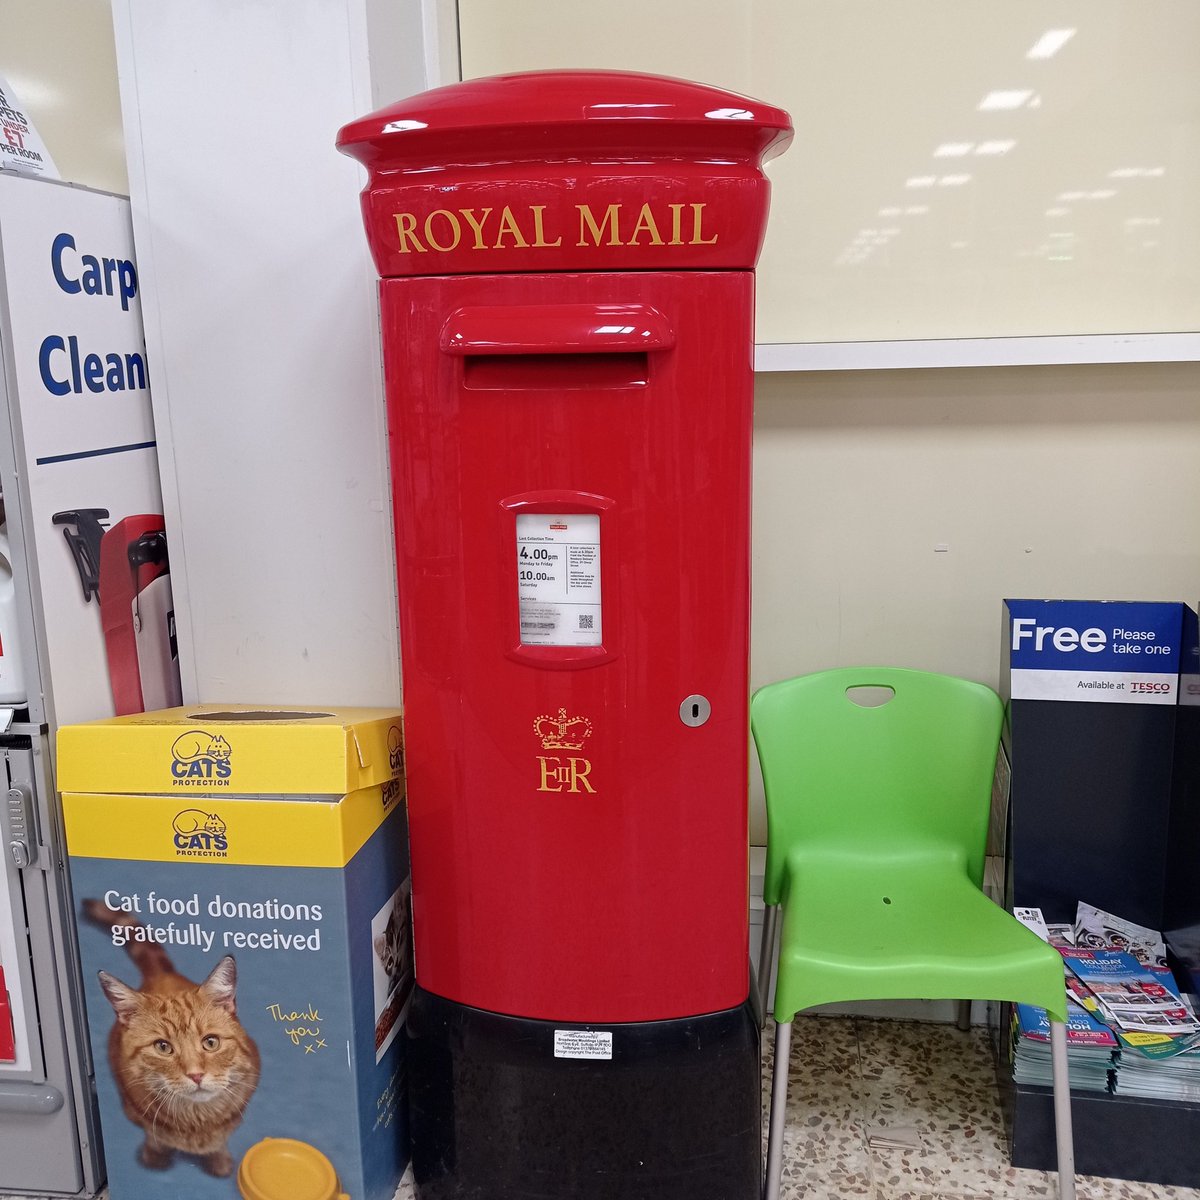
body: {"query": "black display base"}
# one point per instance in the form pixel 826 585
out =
pixel 673 1115
pixel 1122 1137
pixel 1091 807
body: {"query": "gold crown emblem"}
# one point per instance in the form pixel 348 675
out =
pixel 562 732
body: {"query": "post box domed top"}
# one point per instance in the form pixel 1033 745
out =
pixel 565 115
pixel 554 170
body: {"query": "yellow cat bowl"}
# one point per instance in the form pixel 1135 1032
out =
pixel 285 1169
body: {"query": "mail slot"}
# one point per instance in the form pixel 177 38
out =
pixel 567 310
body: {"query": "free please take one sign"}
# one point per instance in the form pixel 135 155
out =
pixel 1127 652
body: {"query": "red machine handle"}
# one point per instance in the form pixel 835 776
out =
pixel 556 329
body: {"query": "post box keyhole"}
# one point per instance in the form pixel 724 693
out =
pixel 694 711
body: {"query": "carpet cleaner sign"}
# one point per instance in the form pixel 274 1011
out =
pixel 76 373
pixel 1107 652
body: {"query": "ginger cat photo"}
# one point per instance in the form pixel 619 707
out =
pixel 182 1062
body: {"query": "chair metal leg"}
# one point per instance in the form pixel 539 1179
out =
pixel 766 951
pixel 1062 1111
pixel 779 1084
pixel 964 1015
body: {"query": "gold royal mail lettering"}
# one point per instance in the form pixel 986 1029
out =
pixel 445 229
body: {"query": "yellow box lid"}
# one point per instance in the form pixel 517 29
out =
pixel 233 749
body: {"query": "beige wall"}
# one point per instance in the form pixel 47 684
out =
pixel 1071 481
pixel 1065 481
pixel 58 56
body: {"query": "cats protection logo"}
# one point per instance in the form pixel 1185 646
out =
pixel 200 759
pixel 395 744
pixel 199 834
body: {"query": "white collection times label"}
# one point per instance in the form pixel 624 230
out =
pixel 582 1043
pixel 558 579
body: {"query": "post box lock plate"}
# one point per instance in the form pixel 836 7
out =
pixel 694 711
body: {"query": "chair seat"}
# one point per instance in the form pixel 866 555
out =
pixel 908 929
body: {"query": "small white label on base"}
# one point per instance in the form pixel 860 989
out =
pixel 582 1043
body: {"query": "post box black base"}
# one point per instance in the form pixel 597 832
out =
pixel 674 1115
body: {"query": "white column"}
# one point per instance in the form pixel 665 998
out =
pixel 262 330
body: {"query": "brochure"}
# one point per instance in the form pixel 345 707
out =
pixel 1082 1028
pixel 1131 997
pixel 1100 930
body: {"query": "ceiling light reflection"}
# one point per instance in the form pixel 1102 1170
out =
pixel 1050 43
pixel 1011 98
pixel 28 90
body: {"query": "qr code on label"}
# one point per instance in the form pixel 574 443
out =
pixel 587 620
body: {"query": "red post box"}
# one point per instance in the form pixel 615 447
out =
pixel 567 309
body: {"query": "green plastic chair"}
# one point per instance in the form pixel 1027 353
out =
pixel 877 819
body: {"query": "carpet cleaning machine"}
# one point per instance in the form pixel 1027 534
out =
pixel 567 306
pixel 126 568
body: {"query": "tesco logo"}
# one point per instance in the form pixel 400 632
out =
pixel 1026 630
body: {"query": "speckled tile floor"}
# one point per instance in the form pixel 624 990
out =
pixel 926 1084
pixel 929 1085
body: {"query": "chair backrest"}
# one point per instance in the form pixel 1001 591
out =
pixel 910 773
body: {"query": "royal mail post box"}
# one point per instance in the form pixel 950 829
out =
pixel 567 309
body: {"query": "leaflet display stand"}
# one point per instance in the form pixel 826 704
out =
pixel 1104 750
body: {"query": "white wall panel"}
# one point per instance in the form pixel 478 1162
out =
pixel 262 333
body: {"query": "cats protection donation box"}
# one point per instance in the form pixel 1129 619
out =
pixel 240 881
